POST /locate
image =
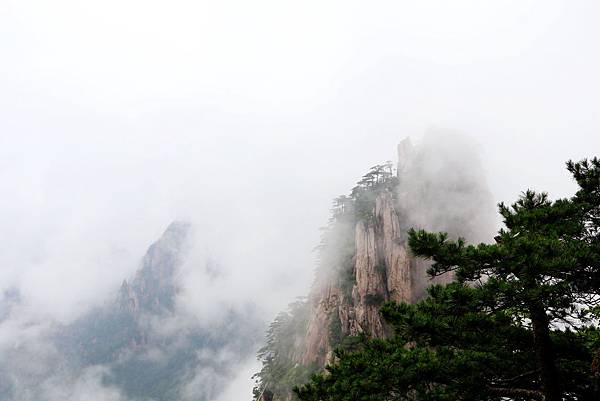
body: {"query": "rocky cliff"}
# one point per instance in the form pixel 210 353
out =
pixel 382 270
pixel 364 262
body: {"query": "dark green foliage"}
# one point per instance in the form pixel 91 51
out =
pixel 422 361
pixel 335 329
pixel 374 299
pixel 519 323
pixel 279 372
pixel 451 346
pixel 351 343
pixel 378 179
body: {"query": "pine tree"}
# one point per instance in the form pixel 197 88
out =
pixel 518 323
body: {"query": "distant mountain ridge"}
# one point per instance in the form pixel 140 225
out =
pixel 127 338
pixel 107 332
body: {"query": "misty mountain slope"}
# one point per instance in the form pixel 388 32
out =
pixel 364 258
pixel 146 361
pixel 105 332
pixel 140 345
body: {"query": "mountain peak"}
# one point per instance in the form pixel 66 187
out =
pixel 177 231
pixel 153 288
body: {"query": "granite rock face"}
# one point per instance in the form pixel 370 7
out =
pixel 383 270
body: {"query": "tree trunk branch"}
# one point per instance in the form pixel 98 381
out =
pixel 544 353
pixel 512 392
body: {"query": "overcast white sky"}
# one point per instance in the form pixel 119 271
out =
pixel 247 117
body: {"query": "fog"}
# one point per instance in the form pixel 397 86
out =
pixel 442 186
pixel 247 118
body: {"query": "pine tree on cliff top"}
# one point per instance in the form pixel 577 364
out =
pixel 519 323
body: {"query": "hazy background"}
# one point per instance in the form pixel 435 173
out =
pixel 248 117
